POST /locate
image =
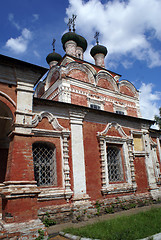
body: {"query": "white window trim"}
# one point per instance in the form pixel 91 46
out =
pixel 51 193
pixel 121 108
pixel 98 102
pixel 138 153
pixel 130 184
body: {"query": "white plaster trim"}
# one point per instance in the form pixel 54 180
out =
pixel 126 142
pixel 64 134
pixel 149 166
pixel 108 93
pixel 8 98
pixel 117 127
pixel 54 193
pixel 129 85
pixel 108 77
pixel 54 122
pixel 77 117
pixel 19 189
pixel 79 178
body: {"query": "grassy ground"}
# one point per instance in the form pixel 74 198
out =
pixel 131 227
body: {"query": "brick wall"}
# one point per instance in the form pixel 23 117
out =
pixel 141 174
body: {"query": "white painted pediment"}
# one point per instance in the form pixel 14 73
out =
pixel 117 127
pixel 52 120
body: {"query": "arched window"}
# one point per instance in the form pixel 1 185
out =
pixel 44 157
pixel 114 163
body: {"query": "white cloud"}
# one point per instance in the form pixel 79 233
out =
pixel 35 17
pixel 148 101
pixel 127 28
pixel 19 44
pixel 11 19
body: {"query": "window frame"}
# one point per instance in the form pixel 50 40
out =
pixel 96 102
pixel 129 183
pixel 121 163
pixel 52 147
pixel 62 191
pixel 140 152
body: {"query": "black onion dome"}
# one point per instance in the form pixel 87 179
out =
pixel 53 57
pixel 81 41
pixel 98 49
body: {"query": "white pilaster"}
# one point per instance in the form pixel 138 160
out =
pixel 154 190
pixel 79 178
pixel 24 106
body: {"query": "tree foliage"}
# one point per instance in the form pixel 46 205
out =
pixel 158 118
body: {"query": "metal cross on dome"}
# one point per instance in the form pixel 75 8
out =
pixel 71 22
pixel 53 44
pixel 96 37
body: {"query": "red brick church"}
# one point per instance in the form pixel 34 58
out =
pixel 79 138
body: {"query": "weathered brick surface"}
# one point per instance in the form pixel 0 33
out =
pixel 10 90
pixel 78 74
pixel 19 209
pixel 141 174
pixel 20 162
pixel 104 83
pixel 127 91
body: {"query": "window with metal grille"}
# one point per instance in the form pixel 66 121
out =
pixel 120 112
pixel 44 157
pixel 114 163
pixel 95 106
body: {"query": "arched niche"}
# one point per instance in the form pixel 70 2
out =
pixel 6 126
pixel 80 72
pixel 127 88
pixel 105 80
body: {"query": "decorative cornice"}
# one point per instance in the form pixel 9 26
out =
pixel 77 117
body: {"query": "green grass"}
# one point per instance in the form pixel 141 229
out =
pixel 131 227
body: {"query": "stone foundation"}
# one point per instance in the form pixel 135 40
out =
pixel 81 212
pixel 22 231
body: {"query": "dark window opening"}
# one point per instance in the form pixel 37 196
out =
pixel 120 112
pixel 95 106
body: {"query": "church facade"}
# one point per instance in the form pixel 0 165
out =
pixel 78 139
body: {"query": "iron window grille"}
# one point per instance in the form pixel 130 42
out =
pixel 95 106
pixel 120 112
pixel 44 157
pixel 114 163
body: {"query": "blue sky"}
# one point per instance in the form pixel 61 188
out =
pixel 130 30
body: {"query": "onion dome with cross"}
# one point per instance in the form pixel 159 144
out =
pixel 73 44
pixel 98 52
pixel 53 58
